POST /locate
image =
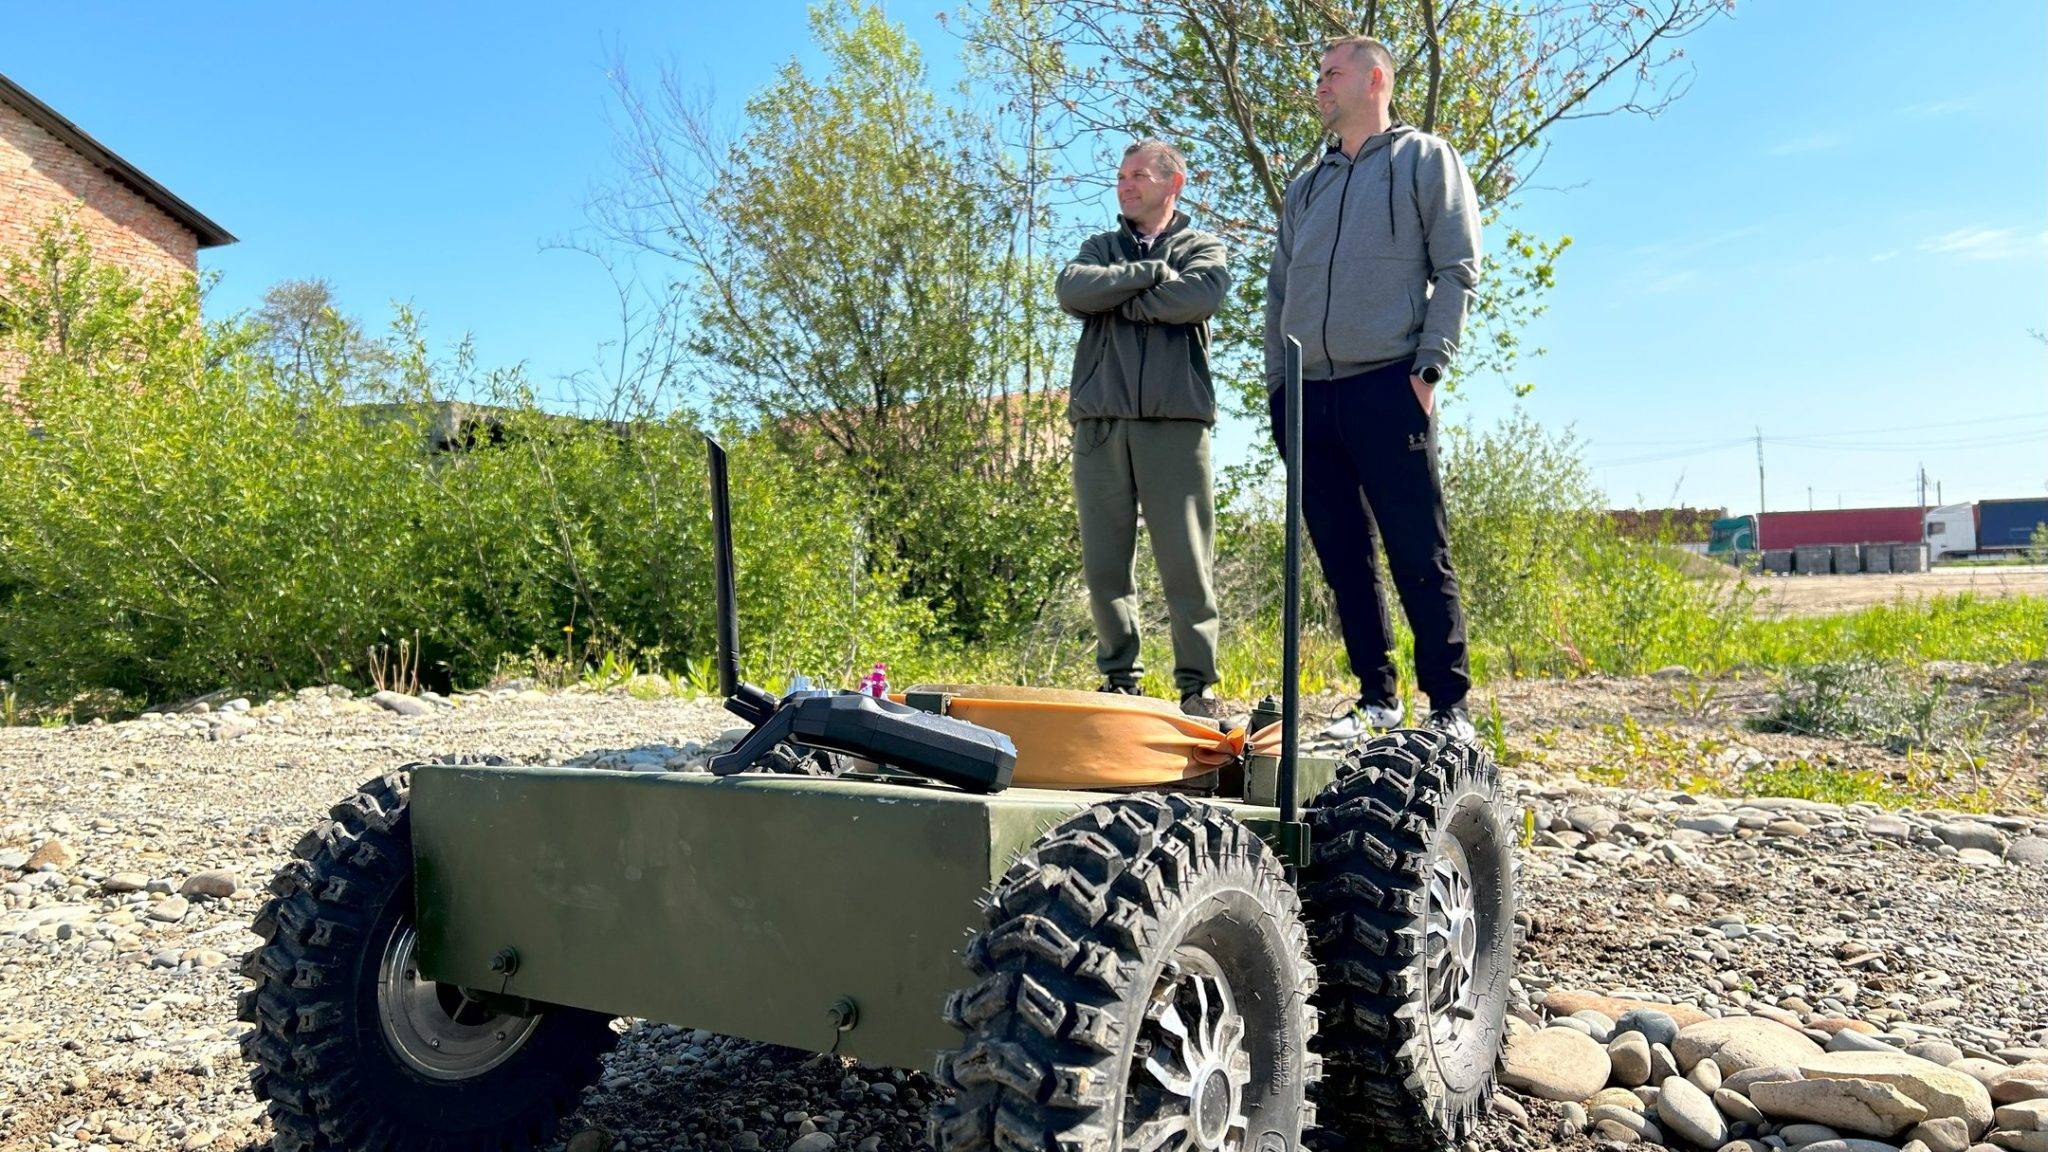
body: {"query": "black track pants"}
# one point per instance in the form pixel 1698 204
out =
pixel 1369 468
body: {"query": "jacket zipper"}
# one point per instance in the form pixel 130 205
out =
pixel 1330 274
pixel 1144 343
pixel 1144 330
pixel 1390 191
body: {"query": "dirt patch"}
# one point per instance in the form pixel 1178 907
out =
pixel 1826 595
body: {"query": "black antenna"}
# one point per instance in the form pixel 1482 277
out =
pixel 727 605
pixel 1290 603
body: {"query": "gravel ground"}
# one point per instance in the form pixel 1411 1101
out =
pixel 117 1006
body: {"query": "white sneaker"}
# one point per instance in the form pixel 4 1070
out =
pixel 1355 722
pixel 1454 722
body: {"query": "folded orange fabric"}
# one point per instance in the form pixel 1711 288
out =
pixel 1087 740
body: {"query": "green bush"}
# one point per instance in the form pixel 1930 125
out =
pixel 180 511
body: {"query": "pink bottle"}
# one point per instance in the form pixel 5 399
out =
pixel 877 682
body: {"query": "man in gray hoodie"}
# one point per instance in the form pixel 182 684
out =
pixel 1373 271
pixel 1142 403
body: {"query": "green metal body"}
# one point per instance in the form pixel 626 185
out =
pixel 749 905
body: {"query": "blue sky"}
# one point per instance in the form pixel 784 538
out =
pixel 1840 235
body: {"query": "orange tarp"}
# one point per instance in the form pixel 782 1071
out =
pixel 1085 740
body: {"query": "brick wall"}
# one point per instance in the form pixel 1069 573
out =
pixel 40 175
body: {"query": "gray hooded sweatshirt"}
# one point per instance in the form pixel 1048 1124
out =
pixel 1376 259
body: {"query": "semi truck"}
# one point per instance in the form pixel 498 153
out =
pixel 1773 531
pixel 1985 528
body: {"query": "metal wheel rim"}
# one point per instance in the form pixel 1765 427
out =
pixel 1189 1068
pixel 439 1032
pixel 1451 942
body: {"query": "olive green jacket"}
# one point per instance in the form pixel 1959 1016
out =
pixel 1144 350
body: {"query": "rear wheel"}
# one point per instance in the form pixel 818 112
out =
pixel 1145 987
pixel 1410 902
pixel 353 1048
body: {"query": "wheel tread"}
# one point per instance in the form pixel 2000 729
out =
pixel 1365 897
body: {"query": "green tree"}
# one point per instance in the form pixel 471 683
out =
pixel 1231 81
pixel 853 281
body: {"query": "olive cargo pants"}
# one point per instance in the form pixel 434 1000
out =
pixel 1161 467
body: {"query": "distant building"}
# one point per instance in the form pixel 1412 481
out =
pixel 1672 525
pixel 48 164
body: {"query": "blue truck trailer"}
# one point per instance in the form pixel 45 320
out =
pixel 2009 525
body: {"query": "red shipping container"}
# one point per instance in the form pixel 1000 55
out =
pixel 1839 526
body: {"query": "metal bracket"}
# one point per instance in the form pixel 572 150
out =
pixel 1291 844
pixel 936 703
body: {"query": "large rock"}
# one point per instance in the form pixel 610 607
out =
pixel 218 883
pixel 1618 1097
pixel 402 704
pixel 2021 1141
pixel 1797 1135
pixel 1740 1081
pixel 1845 1105
pixel 1630 1056
pixel 53 852
pixel 1656 1026
pixel 1985 1072
pixel 1690 1113
pixel 1564 1002
pixel 1736 1107
pixel 1737 1043
pixel 2026 1082
pixel 1942 1134
pixel 1971 834
pixel 1850 1144
pixel 1940 1051
pixel 1850 1040
pixel 1555 1064
pixel 1942 1091
pixel 2026 1116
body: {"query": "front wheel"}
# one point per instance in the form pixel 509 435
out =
pixel 1145 988
pixel 353 1048
pixel 1411 902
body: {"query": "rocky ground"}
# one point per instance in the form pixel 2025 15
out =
pixel 1780 934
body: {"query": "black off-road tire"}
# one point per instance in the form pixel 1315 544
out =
pixel 1401 1072
pixel 1074 968
pixel 321 1051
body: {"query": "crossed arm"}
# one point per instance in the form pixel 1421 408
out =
pixel 1150 291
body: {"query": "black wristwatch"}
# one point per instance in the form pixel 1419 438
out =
pixel 1431 374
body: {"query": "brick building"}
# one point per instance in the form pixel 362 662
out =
pixel 48 164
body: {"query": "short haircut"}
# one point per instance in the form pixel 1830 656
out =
pixel 1168 156
pixel 1374 52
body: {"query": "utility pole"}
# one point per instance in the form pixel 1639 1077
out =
pixel 1923 487
pixel 1760 470
pixel 1809 497
pixel 1937 493
pixel 1759 541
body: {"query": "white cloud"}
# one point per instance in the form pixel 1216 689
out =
pixel 1930 109
pixel 1672 281
pixel 1678 249
pixel 1979 243
pixel 1887 254
pixel 1811 142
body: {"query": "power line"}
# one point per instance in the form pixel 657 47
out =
pixel 1814 442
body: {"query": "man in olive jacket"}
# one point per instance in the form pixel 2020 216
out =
pixel 1141 404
